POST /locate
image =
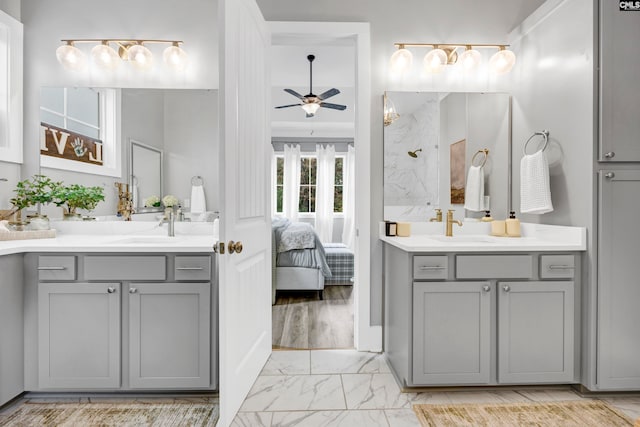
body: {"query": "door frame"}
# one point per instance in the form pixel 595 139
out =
pixel 366 336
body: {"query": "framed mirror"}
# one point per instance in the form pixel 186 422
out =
pixel 420 130
pixel 146 174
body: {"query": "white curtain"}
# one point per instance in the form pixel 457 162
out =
pixel 291 190
pixel 325 183
pixel 349 198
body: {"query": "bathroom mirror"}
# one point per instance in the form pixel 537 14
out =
pixel 419 131
pixel 145 179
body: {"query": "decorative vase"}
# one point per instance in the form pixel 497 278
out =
pixel 72 217
pixel 16 223
pixel 38 222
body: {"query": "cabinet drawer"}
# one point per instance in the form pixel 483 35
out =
pixel 494 266
pixel 557 266
pixel 192 268
pixel 430 267
pixel 133 267
pixel 57 267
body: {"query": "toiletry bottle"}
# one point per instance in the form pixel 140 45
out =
pixel 513 225
pixel 487 217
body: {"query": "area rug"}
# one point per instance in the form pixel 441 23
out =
pixel 540 414
pixel 113 414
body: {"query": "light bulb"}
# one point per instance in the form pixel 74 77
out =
pixel 470 59
pixel 401 60
pixel 140 57
pixel 175 57
pixel 105 56
pixel 310 108
pixel 502 61
pixel 71 57
pixel 435 60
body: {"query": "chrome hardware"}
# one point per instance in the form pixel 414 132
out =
pixel 561 267
pixel 609 175
pixel 51 268
pixel 438 217
pixel 450 222
pixel 486 288
pixel 434 267
pixel 609 155
pixel 170 218
pixel 234 247
pixel 506 288
pixel 133 290
pixel 189 268
pixel 111 289
pixel 219 248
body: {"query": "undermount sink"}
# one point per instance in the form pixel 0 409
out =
pixel 159 240
pixel 464 239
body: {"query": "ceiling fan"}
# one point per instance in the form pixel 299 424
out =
pixel 310 102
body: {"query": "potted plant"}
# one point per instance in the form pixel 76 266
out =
pixel 30 192
pixel 76 196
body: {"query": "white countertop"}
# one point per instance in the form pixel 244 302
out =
pixel 474 237
pixel 118 237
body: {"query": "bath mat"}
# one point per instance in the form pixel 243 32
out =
pixel 113 414
pixel 540 414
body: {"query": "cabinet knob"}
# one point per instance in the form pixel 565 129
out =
pixel 111 290
pixel 486 288
pixel 133 290
pixel 506 288
pixel 609 155
pixel 609 175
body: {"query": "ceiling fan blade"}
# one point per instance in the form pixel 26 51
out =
pixel 294 93
pixel 286 106
pixel 333 106
pixel 328 94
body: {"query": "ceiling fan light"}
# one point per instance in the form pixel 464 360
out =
pixel 140 56
pixel 435 60
pixel 470 59
pixel 311 108
pixel 175 57
pixel 71 57
pixel 105 56
pixel 401 60
pixel 502 61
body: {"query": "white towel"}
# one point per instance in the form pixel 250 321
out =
pixel 198 203
pixel 535 190
pixel 474 193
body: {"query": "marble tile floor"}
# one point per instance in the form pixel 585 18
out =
pixel 336 388
pixel 302 321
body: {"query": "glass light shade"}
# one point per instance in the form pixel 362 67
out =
pixel 390 113
pixel 502 61
pixel 140 57
pixel 105 57
pixel 470 59
pixel 71 57
pixel 310 108
pixel 175 58
pixel 435 60
pixel 401 61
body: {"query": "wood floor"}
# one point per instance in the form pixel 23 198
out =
pixel 302 321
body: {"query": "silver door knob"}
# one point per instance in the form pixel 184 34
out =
pixel 133 290
pixel 609 155
pixel 506 288
pixel 111 289
pixel 486 288
pixel 609 175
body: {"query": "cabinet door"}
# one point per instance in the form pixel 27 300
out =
pixel 619 83
pixel 169 335
pixel 451 332
pixel 11 328
pixel 618 353
pixel 535 332
pixel 79 335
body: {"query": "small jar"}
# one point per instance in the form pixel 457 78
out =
pixel 38 222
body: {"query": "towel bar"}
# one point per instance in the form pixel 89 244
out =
pixel 544 134
pixel 486 155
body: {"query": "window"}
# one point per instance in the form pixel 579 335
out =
pixel 308 168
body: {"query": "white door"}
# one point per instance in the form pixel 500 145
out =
pixel 245 278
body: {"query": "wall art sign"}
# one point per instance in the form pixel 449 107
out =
pixel 65 144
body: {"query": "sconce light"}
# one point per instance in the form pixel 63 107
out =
pixel 134 51
pixel 446 54
pixel 390 113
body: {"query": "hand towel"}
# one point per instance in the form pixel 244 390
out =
pixel 198 203
pixel 535 189
pixel 474 193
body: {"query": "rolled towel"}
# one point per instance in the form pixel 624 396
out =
pixel 535 188
pixel 474 193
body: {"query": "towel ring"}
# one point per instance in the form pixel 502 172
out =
pixel 486 156
pixel 195 179
pixel 544 134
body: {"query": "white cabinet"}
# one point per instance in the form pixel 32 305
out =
pixel 11 328
pixel 169 335
pixel 79 335
pixel 535 332
pixel 452 332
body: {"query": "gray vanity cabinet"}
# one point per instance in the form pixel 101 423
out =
pixel 11 328
pixel 452 332
pixel 79 335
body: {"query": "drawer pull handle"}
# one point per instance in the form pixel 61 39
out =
pixel 53 268
pixel 430 268
pixel 111 290
pixel 189 268
pixel 486 288
pixel 561 267
pixel 506 288
pixel 133 290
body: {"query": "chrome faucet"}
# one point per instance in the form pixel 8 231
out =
pixel 438 217
pixel 450 222
pixel 170 219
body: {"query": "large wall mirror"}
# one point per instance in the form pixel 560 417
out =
pixel 425 133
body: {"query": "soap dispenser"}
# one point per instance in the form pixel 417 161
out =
pixel 513 225
pixel 487 217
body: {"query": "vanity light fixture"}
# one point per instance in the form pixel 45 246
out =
pixel 390 113
pixel 106 56
pixel 443 54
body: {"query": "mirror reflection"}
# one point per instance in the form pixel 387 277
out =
pixel 145 179
pixel 431 140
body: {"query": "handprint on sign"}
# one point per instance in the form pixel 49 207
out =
pixel 78 147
